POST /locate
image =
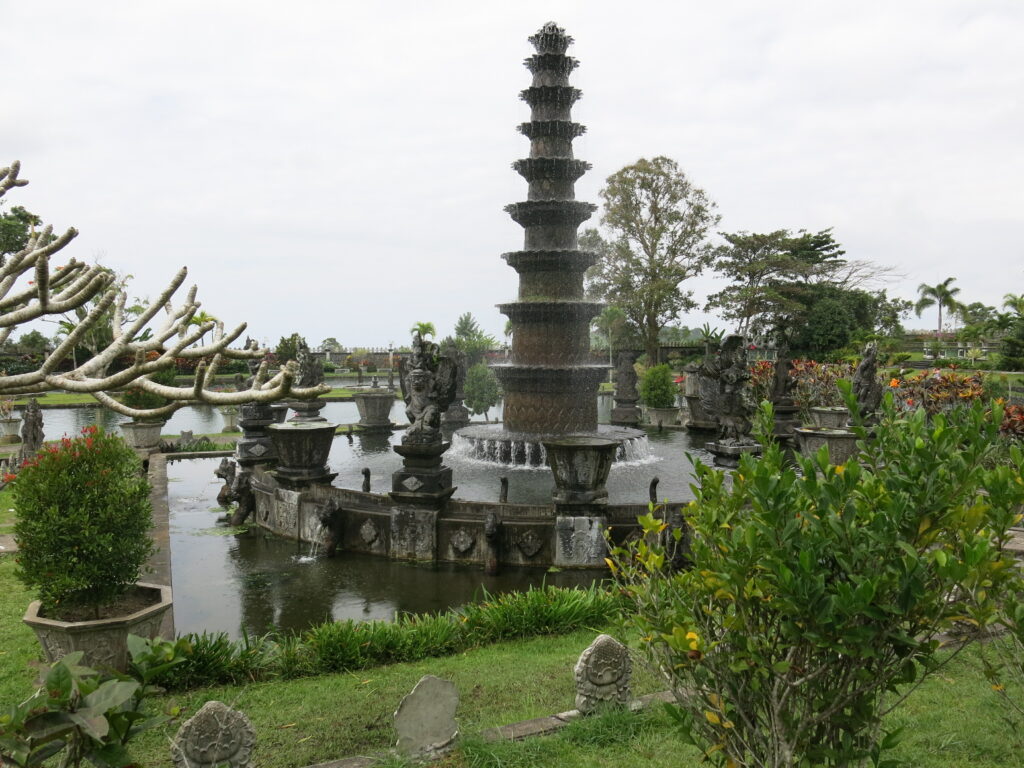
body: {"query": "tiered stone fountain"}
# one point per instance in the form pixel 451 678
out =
pixel 550 384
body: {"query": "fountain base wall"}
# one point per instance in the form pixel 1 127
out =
pixel 491 443
pixel 513 535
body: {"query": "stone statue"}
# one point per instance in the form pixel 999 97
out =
pixel 428 387
pixel 253 363
pixel 602 675
pixel 783 384
pixel 226 472
pixel 311 371
pixel 731 371
pixel 866 386
pixel 214 737
pixel 708 374
pixel 31 431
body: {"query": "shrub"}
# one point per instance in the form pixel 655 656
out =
pixel 481 389
pixel 83 522
pixel 135 397
pixel 812 595
pixel 81 714
pixel 329 367
pixel 347 645
pixel 657 389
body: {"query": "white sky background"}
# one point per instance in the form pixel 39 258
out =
pixel 339 168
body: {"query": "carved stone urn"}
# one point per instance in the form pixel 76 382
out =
pixel 580 465
pixel 9 434
pixel 842 444
pixel 142 435
pixel 662 416
pixel 374 409
pixel 302 449
pixel 104 641
pixel 830 416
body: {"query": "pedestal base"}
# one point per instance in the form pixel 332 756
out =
pixel 728 454
pixel 579 541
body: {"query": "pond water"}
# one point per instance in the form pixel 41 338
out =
pixel 256 582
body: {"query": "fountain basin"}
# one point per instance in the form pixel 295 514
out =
pixel 581 466
pixel 491 443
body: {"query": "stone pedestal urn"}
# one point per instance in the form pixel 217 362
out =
pixel 842 444
pixel 255 447
pixel 9 433
pixel 830 416
pixel 374 409
pixel 580 465
pixel 664 416
pixel 302 449
pixel 142 435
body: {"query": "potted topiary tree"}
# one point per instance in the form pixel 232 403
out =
pixel 143 433
pixel 658 392
pixel 83 537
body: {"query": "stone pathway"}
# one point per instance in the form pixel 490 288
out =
pixel 7 545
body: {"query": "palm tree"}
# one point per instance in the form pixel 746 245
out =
pixel 942 295
pixel 423 329
pixel 1015 303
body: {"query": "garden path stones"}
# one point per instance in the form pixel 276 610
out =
pixel 425 720
pixel 602 675
pixel 216 735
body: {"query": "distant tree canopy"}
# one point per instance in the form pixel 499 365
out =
pixel 658 224
pixel 481 389
pixel 15 227
pixel 798 290
pixel 330 344
pixel 470 339
pixel 288 348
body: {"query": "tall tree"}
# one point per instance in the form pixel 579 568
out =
pixel 471 340
pixel 941 295
pixel 658 223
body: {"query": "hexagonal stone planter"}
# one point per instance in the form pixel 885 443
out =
pixel 104 641
pixel 842 444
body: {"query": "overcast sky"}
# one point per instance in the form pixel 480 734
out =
pixel 339 168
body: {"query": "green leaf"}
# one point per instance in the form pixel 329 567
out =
pixel 93 723
pixel 112 755
pixel 113 693
pixel 59 682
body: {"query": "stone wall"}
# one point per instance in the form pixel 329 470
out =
pixel 525 535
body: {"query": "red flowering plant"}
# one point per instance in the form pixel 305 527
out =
pixel 83 524
pixel 762 378
pixel 1013 422
pixel 937 391
pixel 817 384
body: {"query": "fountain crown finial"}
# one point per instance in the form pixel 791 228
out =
pixel 550 38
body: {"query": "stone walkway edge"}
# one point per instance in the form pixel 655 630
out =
pixel 538 726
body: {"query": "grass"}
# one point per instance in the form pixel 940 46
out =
pixel 952 721
pixel 7 515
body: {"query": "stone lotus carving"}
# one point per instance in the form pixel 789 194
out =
pixel 529 543
pixel 602 674
pixel 368 532
pixel 463 541
pixel 216 735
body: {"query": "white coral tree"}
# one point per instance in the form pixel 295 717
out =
pixel 73 284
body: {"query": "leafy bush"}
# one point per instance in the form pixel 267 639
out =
pixel 347 645
pixel 814 594
pixel 83 521
pixel 657 389
pixel 329 367
pixel 84 715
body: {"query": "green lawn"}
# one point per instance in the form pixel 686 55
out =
pixel 6 510
pixel 953 721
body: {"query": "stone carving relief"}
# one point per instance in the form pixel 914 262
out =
pixel 463 541
pixel 216 735
pixel 368 531
pixel 602 675
pixel 529 543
